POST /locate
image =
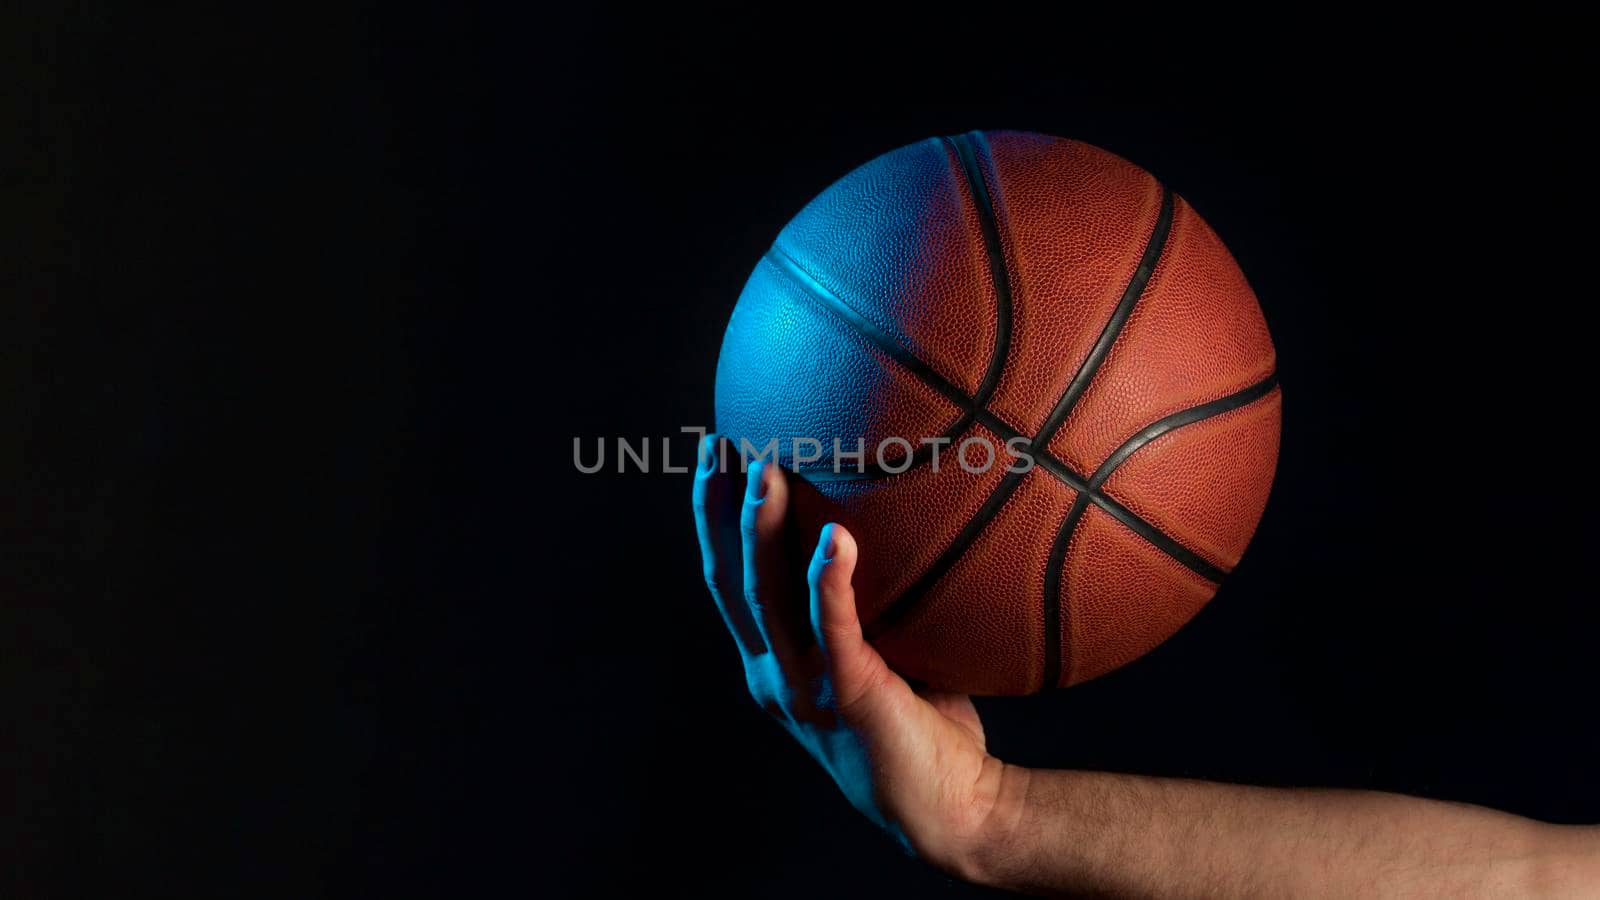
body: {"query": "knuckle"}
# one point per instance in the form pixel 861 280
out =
pixel 782 701
pixel 868 680
pixel 701 498
pixel 762 693
pixel 713 577
pixel 750 522
pixel 834 631
pixel 770 688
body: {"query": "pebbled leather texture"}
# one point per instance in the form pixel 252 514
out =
pixel 959 634
pixel 899 238
pixel 1195 335
pixel 899 243
pixel 912 517
pixel 790 369
pixel 1074 220
pixel 1206 484
pixel 1120 597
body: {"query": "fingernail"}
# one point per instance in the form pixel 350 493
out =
pixel 708 453
pixel 827 543
pixel 756 479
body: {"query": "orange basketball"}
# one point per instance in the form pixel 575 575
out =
pixel 1054 309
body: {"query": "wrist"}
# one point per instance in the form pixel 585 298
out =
pixel 996 849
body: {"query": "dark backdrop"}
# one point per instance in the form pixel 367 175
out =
pixel 303 313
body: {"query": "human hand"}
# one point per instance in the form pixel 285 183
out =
pixel 913 762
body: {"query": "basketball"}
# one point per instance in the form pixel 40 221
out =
pixel 1035 386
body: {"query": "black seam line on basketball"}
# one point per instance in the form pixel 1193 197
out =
pixel 1162 541
pixel 1007 433
pixel 1053 610
pixel 1153 248
pixel 908 598
pixel 833 303
pixel 1113 327
pixel 1043 458
pixel 1053 649
pixel 971 407
pixel 1079 483
pixel 1060 470
pixel 893 348
pixel 999 275
pixel 1165 542
pixel 1177 420
pixel 1157 241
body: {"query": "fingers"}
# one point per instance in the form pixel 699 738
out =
pixel 858 673
pixel 767 591
pixel 716 518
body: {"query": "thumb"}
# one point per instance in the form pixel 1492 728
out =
pixel 859 674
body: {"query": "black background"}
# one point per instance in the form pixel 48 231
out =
pixel 304 595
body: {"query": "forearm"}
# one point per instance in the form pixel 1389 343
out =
pixel 1123 835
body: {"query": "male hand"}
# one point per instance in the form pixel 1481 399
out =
pixel 913 762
